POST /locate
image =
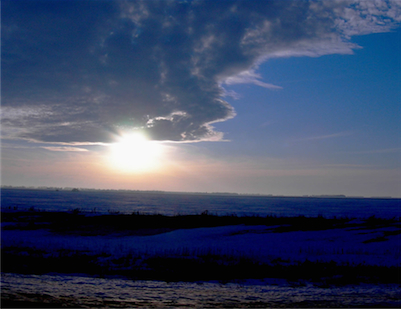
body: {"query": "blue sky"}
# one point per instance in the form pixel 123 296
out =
pixel 281 97
pixel 351 101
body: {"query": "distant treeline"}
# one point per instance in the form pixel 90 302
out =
pixel 189 193
pixel 78 222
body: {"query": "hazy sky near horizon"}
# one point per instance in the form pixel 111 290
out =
pixel 274 97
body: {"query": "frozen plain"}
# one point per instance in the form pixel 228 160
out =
pixel 355 244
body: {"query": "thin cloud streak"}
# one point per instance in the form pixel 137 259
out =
pixel 323 137
pixel 376 151
pixel 249 77
pixel 69 149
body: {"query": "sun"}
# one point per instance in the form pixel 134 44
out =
pixel 134 153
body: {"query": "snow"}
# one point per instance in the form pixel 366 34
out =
pixel 355 244
pixel 352 244
pixel 342 245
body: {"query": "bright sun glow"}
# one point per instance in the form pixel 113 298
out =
pixel 134 153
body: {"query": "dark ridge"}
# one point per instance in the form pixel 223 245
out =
pixel 86 224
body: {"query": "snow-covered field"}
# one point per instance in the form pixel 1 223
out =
pixel 355 243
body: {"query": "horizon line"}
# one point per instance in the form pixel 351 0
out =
pixel 56 188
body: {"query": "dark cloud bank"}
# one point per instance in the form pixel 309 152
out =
pixel 83 71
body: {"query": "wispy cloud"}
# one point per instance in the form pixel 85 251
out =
pixel 323 137
pixel 249 77
pixel 347 165
pixel 375 151
pixel 232 94
pixel 74 149
pixel 267 123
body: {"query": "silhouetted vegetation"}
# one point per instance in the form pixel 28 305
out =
pixel 77 222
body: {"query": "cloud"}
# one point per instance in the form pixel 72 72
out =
pixel 74 149
pixel 377 151
pixel 85 71
pixel 326 136
pixel 249 77
pixel 232 94
pixel 364 17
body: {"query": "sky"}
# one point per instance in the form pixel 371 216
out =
pixel 267 97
